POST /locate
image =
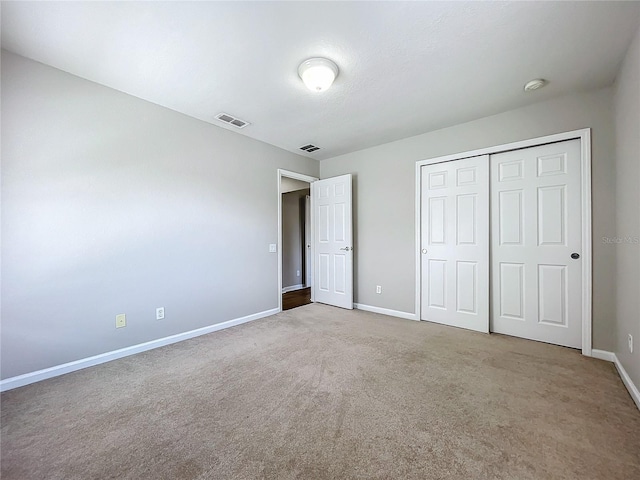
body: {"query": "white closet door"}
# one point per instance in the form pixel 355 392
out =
pixel 455 243
pixel 536 227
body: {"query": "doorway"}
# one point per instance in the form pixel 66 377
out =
pixel 329 219
pixel 294 240
pixel 296 287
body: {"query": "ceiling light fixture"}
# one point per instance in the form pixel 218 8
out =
pixel 318 73
pixel 535 84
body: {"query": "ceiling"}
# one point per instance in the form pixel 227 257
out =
pixel 405 67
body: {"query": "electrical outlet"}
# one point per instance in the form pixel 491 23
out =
pixel 630 339
pixel 297 273
pixel 273 248
pixel 378 289
pixel 159 313
pixel 121 320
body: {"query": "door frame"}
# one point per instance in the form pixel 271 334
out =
pixel 584 135
pixel 308 240
pixel 304 178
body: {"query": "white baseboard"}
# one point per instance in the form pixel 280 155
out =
pixel 626 379
pixel 32 377
pixel 385 311
pixel 603 355
pixel 292 288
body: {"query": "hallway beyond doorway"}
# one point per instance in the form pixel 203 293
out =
pixel 297 298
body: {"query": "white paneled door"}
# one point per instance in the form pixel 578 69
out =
pixel 333 241
pixel 536 243
pixel 455 243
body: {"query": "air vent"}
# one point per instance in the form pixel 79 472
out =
pixel 231 120
pixel 309 148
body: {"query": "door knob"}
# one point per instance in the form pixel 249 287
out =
pixel 345 248
pixel 424 250
pixel 575 256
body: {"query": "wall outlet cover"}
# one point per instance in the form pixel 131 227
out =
pixel 121 320
pixel 159 313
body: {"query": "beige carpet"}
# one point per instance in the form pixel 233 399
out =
pixel 318 393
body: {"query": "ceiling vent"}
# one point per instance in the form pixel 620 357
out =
pixel 231 120
pixel 309 148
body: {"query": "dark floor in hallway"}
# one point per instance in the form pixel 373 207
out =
pixel 297 298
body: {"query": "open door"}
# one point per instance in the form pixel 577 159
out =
pixel 333 241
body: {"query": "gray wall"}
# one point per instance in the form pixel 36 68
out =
pixel 293 237
pixel 384 196
pixel 110 205
pixel 627 121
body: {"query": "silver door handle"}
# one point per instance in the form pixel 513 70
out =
pixel 424 250
pixel 346 248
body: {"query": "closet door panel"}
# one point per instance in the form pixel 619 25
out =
pixel 536 223
pixel 455 243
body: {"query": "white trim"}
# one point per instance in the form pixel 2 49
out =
pixel 292 288
pixel 308 240
pixel 32 377
pixel 603 355
pixel 532 142
pixel 587 275
pixel 626 379
pixel 386 311
pixel 418 239
pixel 304 178
pixel 624 376
pixel 584 135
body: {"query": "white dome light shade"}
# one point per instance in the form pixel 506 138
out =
pixel 535 84
pixel 318 73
